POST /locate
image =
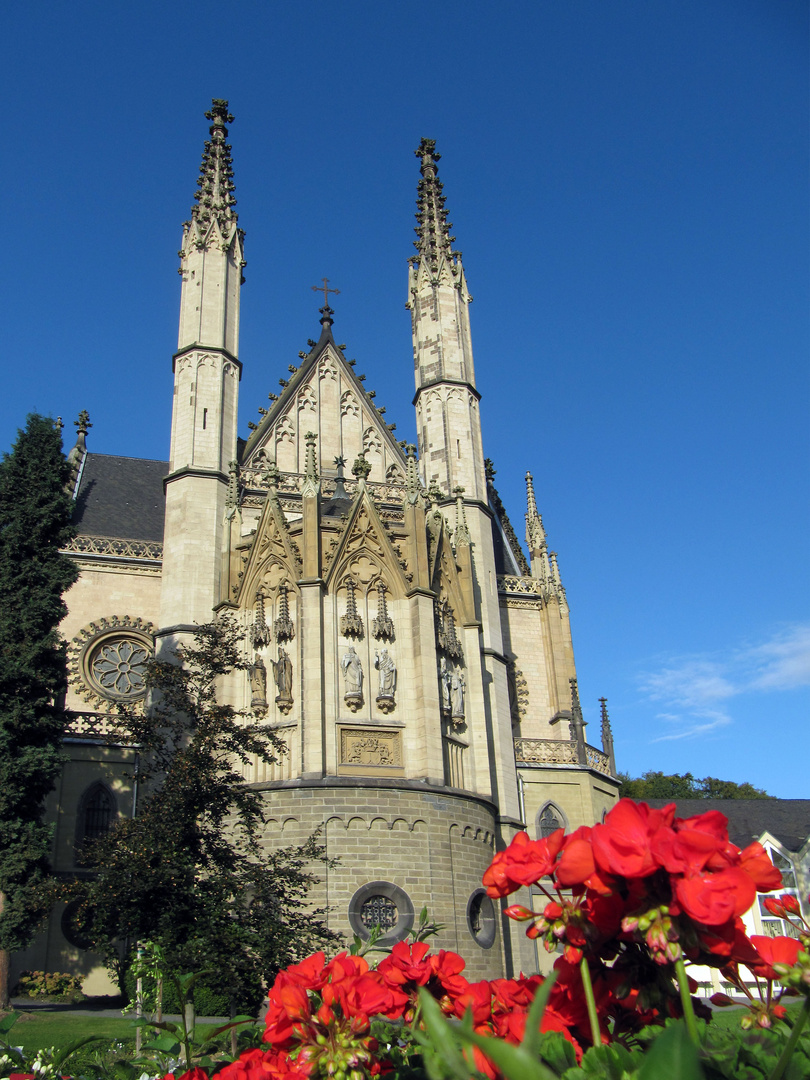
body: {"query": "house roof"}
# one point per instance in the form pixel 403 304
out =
pixel 787 820
pixel 121 497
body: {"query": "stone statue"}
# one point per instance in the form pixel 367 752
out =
pixel 352 670
pixel 444 685
pixel 457 685
pixel 384 663
pixel 282 673
pixel 258 685
pixel 388 673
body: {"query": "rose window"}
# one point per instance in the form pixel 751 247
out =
pixel 119 668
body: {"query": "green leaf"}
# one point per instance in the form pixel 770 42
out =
pixel 515 1062
pixel 673 1056
pixel 165 1044
pixel 557 1051
pixel 8 1022
pixel 441 1037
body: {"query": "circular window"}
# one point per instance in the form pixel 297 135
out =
pixel 383 904
pixel 481 919
pixel 108 660
pixel 118 667
pixel 74 927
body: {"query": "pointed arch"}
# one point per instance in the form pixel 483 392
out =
pixel 548 819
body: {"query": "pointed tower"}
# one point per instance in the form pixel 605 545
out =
pixel 448 422
pixel 206 381
pixel 452 459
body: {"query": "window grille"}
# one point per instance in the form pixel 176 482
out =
pixel 379 911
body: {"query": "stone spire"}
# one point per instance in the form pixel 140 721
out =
pixel 535 533
pixel 78 453
pixel 434 241
pixel 214 199
pixel 447 419
pixel 607 736
pixel 311 485
pixel 461 536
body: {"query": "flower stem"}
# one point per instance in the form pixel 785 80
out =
pixel 686 1001
pixel 593 1016
pixel 786 1054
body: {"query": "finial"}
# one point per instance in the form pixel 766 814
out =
pixel 323 288
pixel 272 475
pixel 535 533
pixel 83 423
pixel 261 631
pixel 59 424
pixel 577 724
pixel 446 630
pixel 413 489
pixel 382 626
pixel 462 534
pixel 340 490
pixel 215 199
pixel 361 469
pixel 607 736
pixel 283 626
pixel 351 624
pixel 232 496
pixel 310 486
pixel 433 241
pixel 489 470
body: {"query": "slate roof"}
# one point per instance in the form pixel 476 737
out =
pixel 121 497
pixel 787 820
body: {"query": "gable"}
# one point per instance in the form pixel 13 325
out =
pixel 325 396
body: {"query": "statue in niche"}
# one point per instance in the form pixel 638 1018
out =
pixel 457 687
pixel 445 678
pixel 384 663
pixel 352 669
pixel 282 674
pixel 258 685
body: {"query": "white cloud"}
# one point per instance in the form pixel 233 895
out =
pixel 694 690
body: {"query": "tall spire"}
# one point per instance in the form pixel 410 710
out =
pixel 447 420
pixel 215 183
pixel 433 231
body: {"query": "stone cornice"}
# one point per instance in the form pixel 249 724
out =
pixel 365 782
pixel 207 349
pixel 194 470
pixel 446 381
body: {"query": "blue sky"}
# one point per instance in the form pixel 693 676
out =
pixel 628 184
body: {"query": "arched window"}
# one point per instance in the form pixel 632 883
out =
pixel 96 814
pixel 549 819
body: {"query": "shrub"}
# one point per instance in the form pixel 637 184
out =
pixel 45 984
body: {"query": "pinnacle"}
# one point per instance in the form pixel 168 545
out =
pixel 215 199
pixel 433 229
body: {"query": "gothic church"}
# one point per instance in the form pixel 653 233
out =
pixel 416 663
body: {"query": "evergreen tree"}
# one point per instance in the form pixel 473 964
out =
pixel 35 513
pixel 188 872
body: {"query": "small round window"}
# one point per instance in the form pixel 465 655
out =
pixel 481 919
pixel 383 904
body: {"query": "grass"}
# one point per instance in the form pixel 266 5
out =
pixel 37 1031
pixel 43 1029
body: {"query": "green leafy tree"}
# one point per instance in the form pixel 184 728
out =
pixel 188 872
pixel 658 785
pixel 35 513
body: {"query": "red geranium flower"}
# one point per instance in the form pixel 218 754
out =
pixel 774 950
pixel 756 862
pixel 714 899
pixel 622 845
pixel 524 862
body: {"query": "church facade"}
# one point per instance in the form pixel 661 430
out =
pixel 416 662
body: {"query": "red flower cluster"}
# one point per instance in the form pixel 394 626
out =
pixel 319 1013
pixel 641 890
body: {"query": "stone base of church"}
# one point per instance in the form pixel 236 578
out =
pixel 401 846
